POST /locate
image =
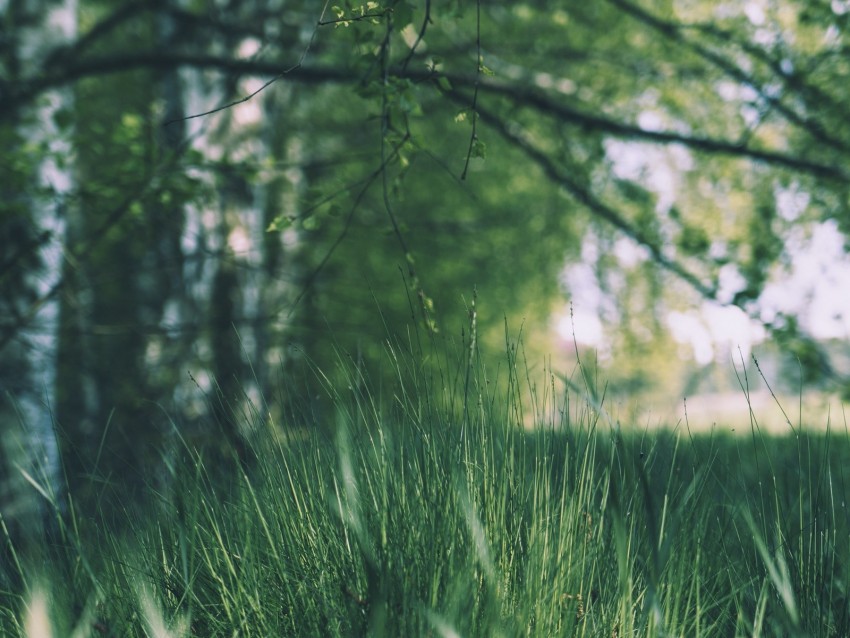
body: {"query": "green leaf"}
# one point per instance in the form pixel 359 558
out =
pixel 311 223
pixel 402 14
pixel 63 118
pixel 479 149
pixel 693 241
pixel 279 223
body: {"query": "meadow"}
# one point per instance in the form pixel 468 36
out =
pixel 429 507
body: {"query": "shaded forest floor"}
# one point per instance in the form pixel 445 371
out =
pixel 429 512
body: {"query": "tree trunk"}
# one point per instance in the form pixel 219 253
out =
pixel 33 196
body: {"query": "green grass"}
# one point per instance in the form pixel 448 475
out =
pixel 428 509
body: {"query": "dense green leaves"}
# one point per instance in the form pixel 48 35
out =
pixel 346 170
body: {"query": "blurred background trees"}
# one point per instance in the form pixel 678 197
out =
pixel 202 198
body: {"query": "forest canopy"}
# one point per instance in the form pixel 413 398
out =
pixel 199 198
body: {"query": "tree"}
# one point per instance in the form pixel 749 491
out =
pixel 411 152
pixel 33 182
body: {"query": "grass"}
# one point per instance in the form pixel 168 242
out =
pixel 429 509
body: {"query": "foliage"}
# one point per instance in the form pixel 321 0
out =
pixel 253 185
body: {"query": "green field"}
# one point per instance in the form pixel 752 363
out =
pixel 427 509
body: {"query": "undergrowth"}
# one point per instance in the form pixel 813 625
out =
pixel 433 508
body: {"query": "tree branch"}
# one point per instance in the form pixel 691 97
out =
pixel 604 212
pixel 27 91
pixel 673 31
pixel 522 96
pixel 583 195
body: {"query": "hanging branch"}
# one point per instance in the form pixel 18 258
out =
pixel 367 183
pixel 474 144
pixel 280 75
pixel 419 36
pixel 425 302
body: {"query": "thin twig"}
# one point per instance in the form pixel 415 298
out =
pixel 473 138
pixel 419 36
pixel 250 96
